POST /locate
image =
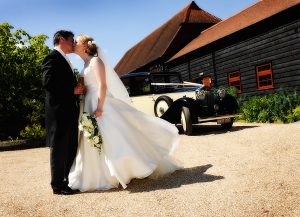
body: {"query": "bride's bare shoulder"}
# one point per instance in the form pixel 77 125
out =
pixel 96 61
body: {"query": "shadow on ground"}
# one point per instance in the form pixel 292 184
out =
pixel 182 177
pixel 21 144
pixel 203 129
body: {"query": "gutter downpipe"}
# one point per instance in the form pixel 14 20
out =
pixel 214 69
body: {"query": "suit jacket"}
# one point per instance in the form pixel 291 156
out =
pixel 61 104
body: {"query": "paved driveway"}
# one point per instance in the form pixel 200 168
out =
pixel 252 170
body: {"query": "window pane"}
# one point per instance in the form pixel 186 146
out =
pixel 234 80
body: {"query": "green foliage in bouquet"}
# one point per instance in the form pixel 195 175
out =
pixel 89 126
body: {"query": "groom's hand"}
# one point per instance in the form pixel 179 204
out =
pixel 80 90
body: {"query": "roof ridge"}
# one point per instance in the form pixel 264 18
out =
pixel 187 15
pixel 188 9
pixel 234 15
pixel 155 44
pixel 157 29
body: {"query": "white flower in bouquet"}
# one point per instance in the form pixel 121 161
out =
pixel 98 145
pixel 80 127
pixel 87 133
pixel 84 117
pixel 96 139
pixel 89 126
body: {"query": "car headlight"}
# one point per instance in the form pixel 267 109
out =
pixel 216 107
pixel 221 92
pixel 201 94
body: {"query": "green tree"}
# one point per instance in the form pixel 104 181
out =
pixel 22 96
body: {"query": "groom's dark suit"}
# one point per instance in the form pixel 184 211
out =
pixel 62 112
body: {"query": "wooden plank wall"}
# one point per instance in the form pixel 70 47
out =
pixel 280 47
pixel 201 65
pixel 183 69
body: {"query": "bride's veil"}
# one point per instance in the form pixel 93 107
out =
pixel 114 84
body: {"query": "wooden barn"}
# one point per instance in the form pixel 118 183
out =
pixel 153 51
pixel 257 50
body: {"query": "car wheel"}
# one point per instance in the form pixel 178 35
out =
pixel 186 121
pixel 227 126
pixel 161 105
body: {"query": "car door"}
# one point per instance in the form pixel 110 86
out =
pixel 144 103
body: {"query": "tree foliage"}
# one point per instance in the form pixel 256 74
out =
pixel 22 97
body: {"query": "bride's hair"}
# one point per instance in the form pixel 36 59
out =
pixel 92 48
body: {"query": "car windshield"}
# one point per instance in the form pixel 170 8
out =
pixel 166 78
pixel 158 80
pixel 141 84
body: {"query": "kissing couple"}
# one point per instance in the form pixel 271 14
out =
pixel 134 144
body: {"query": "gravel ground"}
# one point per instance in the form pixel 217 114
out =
pixel 252 170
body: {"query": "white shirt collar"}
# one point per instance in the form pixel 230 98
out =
pixel 60 51
pixel 64 55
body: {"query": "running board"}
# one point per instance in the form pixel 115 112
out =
pixel 216 118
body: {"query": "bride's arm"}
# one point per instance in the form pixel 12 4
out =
pixel 101 80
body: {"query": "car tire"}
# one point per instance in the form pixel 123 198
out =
pixel 161 105
pixel 186 121
pixel 227 126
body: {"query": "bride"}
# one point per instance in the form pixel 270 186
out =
pixel 135 145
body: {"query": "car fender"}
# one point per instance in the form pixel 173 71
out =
pixel 227 104
pixel 173 114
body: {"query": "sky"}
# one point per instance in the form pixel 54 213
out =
pixel 116 25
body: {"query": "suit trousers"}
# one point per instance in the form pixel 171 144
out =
pixel 62 155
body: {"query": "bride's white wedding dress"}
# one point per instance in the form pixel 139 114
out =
pixel 135 144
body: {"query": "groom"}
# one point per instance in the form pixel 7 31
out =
pixel 62 110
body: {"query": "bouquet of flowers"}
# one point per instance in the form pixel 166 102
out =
pixel 89 126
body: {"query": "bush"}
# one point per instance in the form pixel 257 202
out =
pixel 294 115
pixel 20 78
pixel 34 131
pixel 278 107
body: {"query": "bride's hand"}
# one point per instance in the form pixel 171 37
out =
pixel 98 113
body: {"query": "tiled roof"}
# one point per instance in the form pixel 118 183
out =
pixel 155 44
pixel 249 16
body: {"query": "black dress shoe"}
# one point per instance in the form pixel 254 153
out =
pixel 70 189
pixel 76 191
pixel 65 191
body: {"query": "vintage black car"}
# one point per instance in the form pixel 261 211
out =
pixel 165 95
